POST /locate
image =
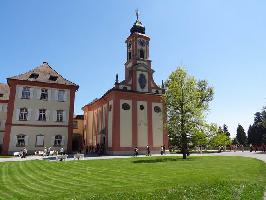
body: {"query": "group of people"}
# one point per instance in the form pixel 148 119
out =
pixel 148 150
pixel 256 148
pixel 50 152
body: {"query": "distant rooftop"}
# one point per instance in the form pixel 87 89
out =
pixel 79 117
pixel 4 91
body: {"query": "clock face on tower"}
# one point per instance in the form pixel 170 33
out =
pixel 142 81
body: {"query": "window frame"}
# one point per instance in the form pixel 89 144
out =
pixel 59 116
pixel 42 115
pixel 56 139
pixel 25 94
pixel 61 95
pixel 44 94
pixel 37 140
pixel 23 114
pixel 21 137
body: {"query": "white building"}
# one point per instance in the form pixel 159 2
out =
pixel 40 111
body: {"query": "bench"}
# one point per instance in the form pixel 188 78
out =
pixel 61 157
pixel 78 156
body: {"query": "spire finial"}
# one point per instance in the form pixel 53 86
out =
pixel 137 14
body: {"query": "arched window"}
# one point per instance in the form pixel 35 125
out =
pixel 58 140
pixel 129 55
pixel 141 53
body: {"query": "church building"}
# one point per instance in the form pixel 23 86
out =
pixel 130 114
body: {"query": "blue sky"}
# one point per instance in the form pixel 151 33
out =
pixel 221 41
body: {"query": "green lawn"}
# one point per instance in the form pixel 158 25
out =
pixel 206 178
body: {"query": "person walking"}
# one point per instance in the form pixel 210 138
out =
pixel 164 149
pixel 161 150
pixel 136 151
pixel 148 151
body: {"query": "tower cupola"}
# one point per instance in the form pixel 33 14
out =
pixel 137 27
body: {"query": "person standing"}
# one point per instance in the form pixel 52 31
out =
pixel 164 149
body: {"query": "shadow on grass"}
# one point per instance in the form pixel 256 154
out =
pixel 158 160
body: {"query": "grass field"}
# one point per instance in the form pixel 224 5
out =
pixel 206 178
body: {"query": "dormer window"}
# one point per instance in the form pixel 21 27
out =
pixel 34 75
pixel 53 78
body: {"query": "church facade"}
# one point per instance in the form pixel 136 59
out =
pixel 130 114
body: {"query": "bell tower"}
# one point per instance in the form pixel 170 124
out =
pixel 138 70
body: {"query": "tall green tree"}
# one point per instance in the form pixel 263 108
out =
pixel 217 137
pixel 200 139
pixel 258 129
pixel 186 100
pixel 225 130
pixel 241 136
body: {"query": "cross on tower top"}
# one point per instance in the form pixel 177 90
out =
pixel 137 14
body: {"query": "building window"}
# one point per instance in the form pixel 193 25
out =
pixel 23 114
pixel 110 107
pixel 25 93
pixel 34 76
pixel 59 115
pixel 42 115
pixel 1 95
pixel 58 140
pixel 53 78
pixel 157 109
pixel 141 107
pixel 39 140
pixel 126 106
pixel 75 124
pixel 44 94
pixel 129 55
pixel 125 88
pixel 20 141
pixel 61 95
pixel 141 53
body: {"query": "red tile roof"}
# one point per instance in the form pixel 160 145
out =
pixel 44 73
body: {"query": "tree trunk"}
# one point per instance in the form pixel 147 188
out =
pixel 184 145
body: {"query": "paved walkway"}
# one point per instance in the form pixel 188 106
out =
pixel 258 155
